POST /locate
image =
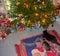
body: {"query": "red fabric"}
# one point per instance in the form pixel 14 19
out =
pixel 40 49
pixel 23 51
pixel 20 50
pixel 17 50
pixel 49 53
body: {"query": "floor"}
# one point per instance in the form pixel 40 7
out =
pixel 7 46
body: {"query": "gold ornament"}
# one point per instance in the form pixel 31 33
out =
pixel 35 7
pixel 22 21
pixel 28 22
pixel 17 3
pixel 45 15
pixel 55 13
pixel 36 14
pixel 43 3
pixel 43 21
pixel 26 5
pixel 20 15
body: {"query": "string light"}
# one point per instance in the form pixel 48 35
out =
pixel 17 3
pixel 43 20
pixel 43 3
pixel 36 14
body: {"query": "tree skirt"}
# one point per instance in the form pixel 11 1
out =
pixel 30 46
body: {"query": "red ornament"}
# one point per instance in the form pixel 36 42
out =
pixel 4 16
pixel 3 35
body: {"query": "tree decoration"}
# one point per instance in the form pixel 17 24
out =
pixel 17 3
pixel 33 11
pixel 43 3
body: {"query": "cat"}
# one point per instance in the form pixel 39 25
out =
pixel 50 37
pixel 46 46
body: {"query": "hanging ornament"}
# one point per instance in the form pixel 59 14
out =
pixel 20 15
pixel 43 3
pixel 52 25
pixel 43 20
pixel 17 3
pixel 28 22
pixel 36 14
pixel 22 21
pixel 26 5
pixel 45 15
pixel 40 6
pixel 35 7
pixel 3 35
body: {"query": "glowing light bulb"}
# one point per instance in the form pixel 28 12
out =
pixel 36 14
pixel 17 3
pixel 45 15
pixel 27 5
pixel 43 3
pixel 43 21
pixel 35 8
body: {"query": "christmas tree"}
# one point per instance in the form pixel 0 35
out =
pixel 31 12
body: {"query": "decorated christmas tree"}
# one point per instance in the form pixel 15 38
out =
pixel 31 12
